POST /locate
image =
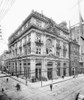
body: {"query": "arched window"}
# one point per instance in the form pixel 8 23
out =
pixel 48 46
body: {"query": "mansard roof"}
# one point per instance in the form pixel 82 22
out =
pixel 52 25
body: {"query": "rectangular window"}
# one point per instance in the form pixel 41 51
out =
pixel 16 51
pixel 28 49
pixel 21 50
pixel 38 50
pixel 29 38
pixel 38 37
pixel 64 53
pixel 64 50
pixel 58 53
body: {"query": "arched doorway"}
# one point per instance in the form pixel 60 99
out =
pixel 50 70
pixel 58 68
pixel 38 69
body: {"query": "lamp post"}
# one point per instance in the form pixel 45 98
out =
pixel 26 73
pixel 41 72
pixel 74 71
pixel 41 76
pixel 26 78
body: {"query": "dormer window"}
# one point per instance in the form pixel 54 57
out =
pixel 19 33
pixel 38 37
pixel 38 23
pixel 27 24
pixel 22 28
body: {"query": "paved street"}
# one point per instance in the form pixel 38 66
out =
pixel 61 91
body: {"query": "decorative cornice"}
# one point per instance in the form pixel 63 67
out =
pixel 41 17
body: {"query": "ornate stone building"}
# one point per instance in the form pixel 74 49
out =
pixel 39 47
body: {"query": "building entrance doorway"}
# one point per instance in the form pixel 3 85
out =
pixel 38 73
pixel 64 71
pixel 49 73
pixel 58 71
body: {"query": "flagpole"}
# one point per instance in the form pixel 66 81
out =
pixel 80 19
pixel 70 29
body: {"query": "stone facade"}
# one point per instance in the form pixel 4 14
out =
pixel 77 34
pixel 39 47
pixel 74 58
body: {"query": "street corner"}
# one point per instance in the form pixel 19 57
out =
pixel 3 96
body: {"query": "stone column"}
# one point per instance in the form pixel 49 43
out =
pixel 22 67
pixel 67 69
pixel 61 69
pixel 33 43
pixel 18 66
pixel 43 48
pixel 32 67
pixel 14 67
pixel 44 68
pixel 11 66
pixel 54 70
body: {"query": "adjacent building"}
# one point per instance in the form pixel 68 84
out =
pixel 3 59
pixel 77 34
pixel 39 48
pixel 74 58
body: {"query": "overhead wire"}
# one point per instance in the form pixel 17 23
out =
pixel 76 4
pixel 8 4
pixel 11 3
pixel 3 7
pixel 1 3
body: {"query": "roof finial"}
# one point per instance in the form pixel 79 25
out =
pixel 42 12
pixel 32 11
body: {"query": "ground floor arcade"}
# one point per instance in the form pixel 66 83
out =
pixel 38 67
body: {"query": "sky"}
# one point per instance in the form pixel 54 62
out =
pixel 58 10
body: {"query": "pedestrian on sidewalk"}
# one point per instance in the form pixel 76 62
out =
pixel 51 87
pixel 18 87
pixel 7 80
pixel 77 96
pixel 2 90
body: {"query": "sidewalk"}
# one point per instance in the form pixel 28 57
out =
pixel 34 91
pixel 41 83
pixel 44 83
